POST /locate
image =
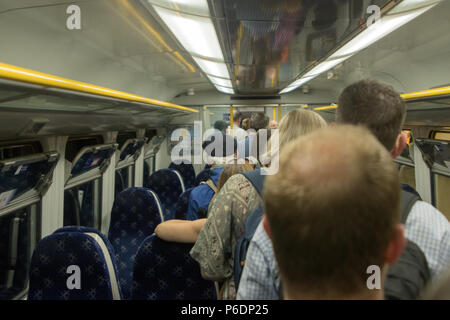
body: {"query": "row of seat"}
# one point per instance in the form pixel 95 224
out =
pixel 142 266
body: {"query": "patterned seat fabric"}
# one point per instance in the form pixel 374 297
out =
pixel 135 214
pixel 182 204
pixel 187 172
pixel 165 271
pixel 168 185
pixel 202 176
pixel 51 275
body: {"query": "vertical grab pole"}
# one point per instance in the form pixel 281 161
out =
pixel 279 113
pixel 274 113
pixel 231 120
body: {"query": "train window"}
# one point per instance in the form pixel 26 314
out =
pixel 442 190
pixel 436 155
pixel 122 137
pixel 407 175
pixel 441 135
pixel 82 194
pixel 9 151
pixel 75 144
pixel 19 233
pixel 125 168
pixel 82 205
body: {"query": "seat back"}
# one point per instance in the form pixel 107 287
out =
pixel 203 176
pixel 135 214
pixel 168 185
pixel 165 271
pixel 187 171
pixel 182 204
pixel 73 265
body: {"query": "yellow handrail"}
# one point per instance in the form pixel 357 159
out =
pixel 334 106
pixel 30 76
pixel 426 93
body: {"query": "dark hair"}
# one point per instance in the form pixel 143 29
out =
pixel 375 105
pixel 220 125
pixel 258 120
pixel 227 141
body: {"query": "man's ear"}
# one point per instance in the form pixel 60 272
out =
pixel 266 226
pixel 400 144
pixel 396 244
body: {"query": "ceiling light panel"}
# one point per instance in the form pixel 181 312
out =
pixel 225 90
pixel 218 69
pixel 196 34
pixel 197 7
pixel 221 82
pixel 378 30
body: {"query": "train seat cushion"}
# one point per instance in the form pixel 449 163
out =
pixel 135 214
pixel 72 266
pixel 168 185
pixel 187 171
pixel 166 271
pixel 182 205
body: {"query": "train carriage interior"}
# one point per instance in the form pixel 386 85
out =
pixel 96 95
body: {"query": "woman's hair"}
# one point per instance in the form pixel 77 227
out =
pixel 245 123
pixel 296 123
pixel 232 169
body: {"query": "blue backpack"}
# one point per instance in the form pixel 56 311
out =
pixel 250 225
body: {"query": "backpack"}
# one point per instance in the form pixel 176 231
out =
pixel 202 212
pixel 409 275
pixel 251 223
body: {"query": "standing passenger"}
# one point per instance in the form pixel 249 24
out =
pixel 214 249
pixel 381 109
pixel 333 213
pixel 201 196
pixel 238 132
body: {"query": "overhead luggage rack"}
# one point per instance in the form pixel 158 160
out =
pixel 130 152
pixel 436 154
pixel 89 164
pixel 23 180
pixel 22 88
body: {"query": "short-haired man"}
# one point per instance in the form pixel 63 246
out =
pixel 249 146
pixel 380 108
pixel 333 213
pixel 237 131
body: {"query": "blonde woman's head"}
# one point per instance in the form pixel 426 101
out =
pixel 296 123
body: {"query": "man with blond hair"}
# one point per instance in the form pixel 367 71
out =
pixel 333 213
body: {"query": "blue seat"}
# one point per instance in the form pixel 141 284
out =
pixel 165 271
pixel 135 214
pixel 168 185
pixel 187 171
pixel 182 204
pixel 54 256
pixel 202 176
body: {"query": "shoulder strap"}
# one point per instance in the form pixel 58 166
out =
pixel 408 199
pixel 210 184
pixel 256 179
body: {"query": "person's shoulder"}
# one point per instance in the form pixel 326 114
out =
pixel 423 210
